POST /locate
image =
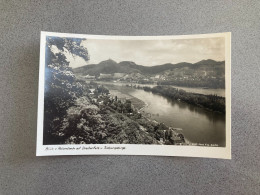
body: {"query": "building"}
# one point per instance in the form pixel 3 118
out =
pixel 89 77
pixel 105 76
pixel 118 75
pixel 91 91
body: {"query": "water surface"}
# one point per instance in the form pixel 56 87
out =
pixel 205 91
pixel 199 125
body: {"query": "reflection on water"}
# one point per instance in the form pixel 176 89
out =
pixel 199 125
pixel 213 117
pixel 219 92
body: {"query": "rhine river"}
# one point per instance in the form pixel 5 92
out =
pixel 219 92
pixel 198 125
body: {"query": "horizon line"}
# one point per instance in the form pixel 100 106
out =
pixel 148 66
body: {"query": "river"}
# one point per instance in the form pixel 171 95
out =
pixel 219 92
pixel 198 125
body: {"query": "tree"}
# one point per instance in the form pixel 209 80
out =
pixel 128 106
pixel 61 88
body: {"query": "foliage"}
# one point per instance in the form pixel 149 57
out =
pixel 90 124
pixel 61 88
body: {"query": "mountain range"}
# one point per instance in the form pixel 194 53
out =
pixel 110 67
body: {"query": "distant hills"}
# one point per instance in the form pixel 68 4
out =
pixel 110 67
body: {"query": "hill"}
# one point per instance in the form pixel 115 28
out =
pixel 110 66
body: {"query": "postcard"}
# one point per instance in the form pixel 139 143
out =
pixel 135 95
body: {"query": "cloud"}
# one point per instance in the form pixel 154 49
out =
pixel 153 52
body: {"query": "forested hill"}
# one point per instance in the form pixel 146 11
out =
pixel 110 67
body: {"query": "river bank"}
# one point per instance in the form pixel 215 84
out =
pixel 199 90
pixel 122 93
pixel 199 126
pixel 211 103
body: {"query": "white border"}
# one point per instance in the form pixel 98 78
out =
pixel 134 149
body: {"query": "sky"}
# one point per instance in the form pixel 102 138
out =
pixel 152 52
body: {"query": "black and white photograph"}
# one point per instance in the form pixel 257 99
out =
pixel 150 95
